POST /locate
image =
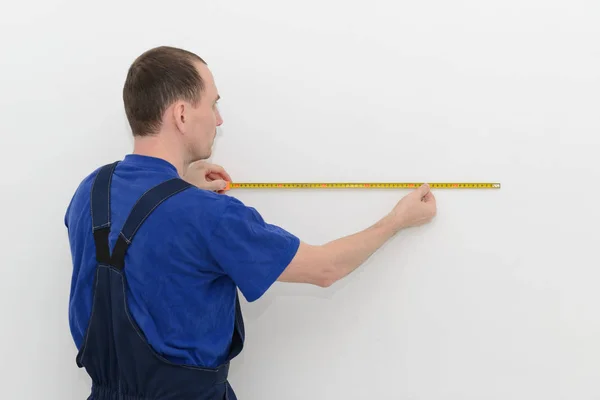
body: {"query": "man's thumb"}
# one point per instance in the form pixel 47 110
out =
pixel 423 189
pixel 216 185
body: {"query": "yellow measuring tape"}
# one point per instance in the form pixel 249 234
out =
pixel 361 185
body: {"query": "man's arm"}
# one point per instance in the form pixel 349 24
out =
pixel 325 264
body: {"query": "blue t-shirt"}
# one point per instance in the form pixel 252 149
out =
pixel 184 264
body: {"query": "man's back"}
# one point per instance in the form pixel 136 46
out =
pixel 186 260
pixel 183 267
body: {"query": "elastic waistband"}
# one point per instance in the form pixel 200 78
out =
pixel 110 392
pixel 107 393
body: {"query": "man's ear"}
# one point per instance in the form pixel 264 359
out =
pixel 179 116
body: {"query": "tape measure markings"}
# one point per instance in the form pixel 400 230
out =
pixel 361 185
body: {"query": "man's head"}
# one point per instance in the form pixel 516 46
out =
pixel 171 91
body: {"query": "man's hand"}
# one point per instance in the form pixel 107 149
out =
pixel 207 176
pixel 416 208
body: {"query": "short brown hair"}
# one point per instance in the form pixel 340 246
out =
pixel 156 79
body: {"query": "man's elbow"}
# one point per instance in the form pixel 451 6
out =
pixel 312 265
pixel 327 275
pixel 326 272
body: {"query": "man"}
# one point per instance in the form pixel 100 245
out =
pixel 159 249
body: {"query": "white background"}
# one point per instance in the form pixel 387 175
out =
pixel 496 299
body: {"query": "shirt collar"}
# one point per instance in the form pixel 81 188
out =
pixel 149 162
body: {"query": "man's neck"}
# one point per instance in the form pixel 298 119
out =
pixel 155 146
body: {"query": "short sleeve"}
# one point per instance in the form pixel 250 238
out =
pixel 251 251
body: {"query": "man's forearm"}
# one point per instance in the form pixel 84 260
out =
pixel 344 255
pixel 325 264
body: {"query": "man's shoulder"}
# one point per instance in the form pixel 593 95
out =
pixel 193 203
pixel 196 203
pixel 81 197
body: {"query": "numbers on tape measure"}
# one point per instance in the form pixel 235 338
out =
pixel 367 185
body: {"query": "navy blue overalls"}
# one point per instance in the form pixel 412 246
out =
pixel 115 353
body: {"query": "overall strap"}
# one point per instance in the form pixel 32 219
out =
pixel 140 211
pixel 100 205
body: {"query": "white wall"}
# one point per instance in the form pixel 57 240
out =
pixel 497 299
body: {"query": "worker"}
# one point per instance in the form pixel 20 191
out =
pixel 160 248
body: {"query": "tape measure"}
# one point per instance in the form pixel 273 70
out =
pixel 361 185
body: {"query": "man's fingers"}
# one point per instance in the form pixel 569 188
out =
pixel 216 185
pixel 213 176
pixel 423 190
pixel 217 172
pixel 429 197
